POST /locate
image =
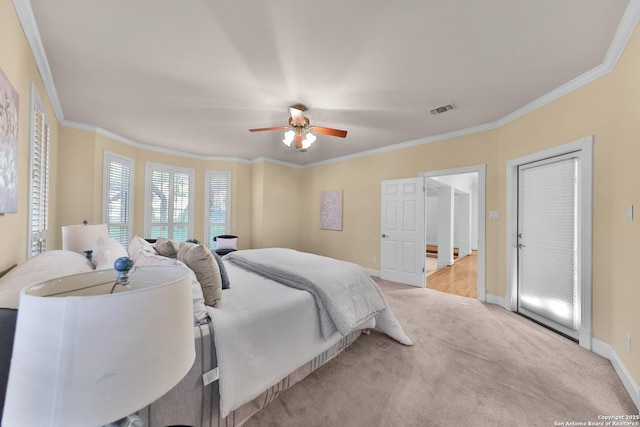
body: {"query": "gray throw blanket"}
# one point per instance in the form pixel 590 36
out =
pixel 344 293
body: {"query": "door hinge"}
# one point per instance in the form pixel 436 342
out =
pixel 423 269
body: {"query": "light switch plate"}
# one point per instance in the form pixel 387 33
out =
pixel 494 214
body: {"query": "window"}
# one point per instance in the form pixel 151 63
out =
pixel 117 198
pixel 217 203
pixel 38 176
pixel 169 201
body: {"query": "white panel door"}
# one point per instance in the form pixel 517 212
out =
pixel 402 241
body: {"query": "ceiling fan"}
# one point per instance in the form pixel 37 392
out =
pixel 298 132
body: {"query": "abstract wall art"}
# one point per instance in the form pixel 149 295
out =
pixel 331 210
pixel 8 146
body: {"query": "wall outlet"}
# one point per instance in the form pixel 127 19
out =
pixel 628 343
pixel 494 214
pixel 374 259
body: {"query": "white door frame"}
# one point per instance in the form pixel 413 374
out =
pixel 481 171
pixel 585 234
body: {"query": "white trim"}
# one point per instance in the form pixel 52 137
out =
pixel 32 34
pixel 585 242
pixel 495 299
pixel 605 350
pixel 625 29
pixel 375 273
pixel 481 170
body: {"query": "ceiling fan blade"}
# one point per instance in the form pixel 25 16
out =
pixel 328 131
pixel 273 128
pixel 297 116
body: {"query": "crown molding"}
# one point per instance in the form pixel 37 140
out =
pixel 31 32
pixel 625 29
pixel 277 162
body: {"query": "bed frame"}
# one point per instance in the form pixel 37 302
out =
pixel 192 402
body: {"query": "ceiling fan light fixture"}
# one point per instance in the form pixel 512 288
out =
pixel 308 140
pixel 288 137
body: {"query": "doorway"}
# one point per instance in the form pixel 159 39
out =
pixel 391 244
pixel 452 232
pixel 549 202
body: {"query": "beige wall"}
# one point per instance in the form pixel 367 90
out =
pixel 19 66
pixel 276 209
pixel 274 205
pixel 83 153
pixel 359 242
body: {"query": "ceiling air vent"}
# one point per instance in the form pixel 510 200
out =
pixel 442 109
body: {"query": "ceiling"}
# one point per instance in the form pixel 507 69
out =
pixel 194 76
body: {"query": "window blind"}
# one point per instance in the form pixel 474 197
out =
pixel 39 177
pixel 169 212
pixel 218 203
pixel 547 225
pixel 117 199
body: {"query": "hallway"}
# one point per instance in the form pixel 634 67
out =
pixel 461 278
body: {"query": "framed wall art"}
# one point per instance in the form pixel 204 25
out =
pixel 9 102
pixel 331 210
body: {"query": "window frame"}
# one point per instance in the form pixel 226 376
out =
pixel 149 168
pixel 39 237
pixel 108 158
pixel 207 201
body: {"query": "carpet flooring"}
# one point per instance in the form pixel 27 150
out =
pixel 472 364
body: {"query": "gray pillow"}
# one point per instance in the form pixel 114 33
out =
pixel 166 247
pixel 200 259
pixel 223 271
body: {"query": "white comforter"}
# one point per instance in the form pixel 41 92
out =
pixel 263 331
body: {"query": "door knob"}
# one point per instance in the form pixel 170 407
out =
pixel 520 246
pixel 384 236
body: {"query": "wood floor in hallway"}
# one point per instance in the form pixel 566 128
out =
pixel 461 278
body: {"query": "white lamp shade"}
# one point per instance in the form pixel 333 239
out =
pixel 84 357
pixel 80 238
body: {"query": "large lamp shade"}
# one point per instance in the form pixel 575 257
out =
pixel 81 238
pixel 85 357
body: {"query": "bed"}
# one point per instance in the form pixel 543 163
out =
pixel 263 337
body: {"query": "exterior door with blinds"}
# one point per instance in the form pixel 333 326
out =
pixel 547 242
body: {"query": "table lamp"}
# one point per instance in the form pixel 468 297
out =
pixel 81 238
pixel 89 352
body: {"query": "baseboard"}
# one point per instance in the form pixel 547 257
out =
pixel 494 299
pixel 606 351
pixel 375 273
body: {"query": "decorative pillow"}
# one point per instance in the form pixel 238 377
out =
pixel 45 266
pixel 166 247
pixel 223 271
pixel 138 244
pixel 200 316
pixel 226 243
pixel 106 251
pixel 200 259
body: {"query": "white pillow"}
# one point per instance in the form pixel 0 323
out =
pixel 106 251
pixel 226 243
pixel 137 245
pixel 45 266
